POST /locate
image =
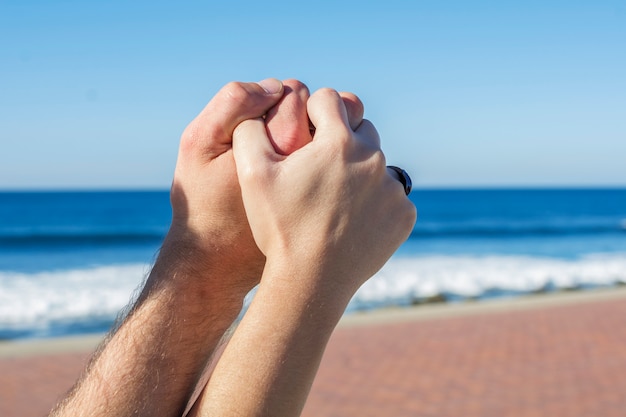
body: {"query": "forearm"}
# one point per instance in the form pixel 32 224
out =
pixel 270 363
pixel 151 363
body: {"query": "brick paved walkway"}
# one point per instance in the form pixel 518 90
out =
pixel 565 360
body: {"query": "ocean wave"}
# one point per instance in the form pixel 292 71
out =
pixel 406 281
pixel 87 300
pixel 64 302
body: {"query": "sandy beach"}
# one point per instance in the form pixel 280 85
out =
pixel 561 354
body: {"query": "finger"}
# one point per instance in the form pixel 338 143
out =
pixel 287 122
pixel 354 108
pixel 251 148
pixel 368 134
pixel 328 115
pixel 211 131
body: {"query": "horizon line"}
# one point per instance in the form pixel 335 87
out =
pixel 457 187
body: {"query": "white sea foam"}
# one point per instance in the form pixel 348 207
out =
pixel 33 303
pixel 48 303
pixel 406 280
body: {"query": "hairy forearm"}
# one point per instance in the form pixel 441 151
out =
pixel 151 363
pixel 270 363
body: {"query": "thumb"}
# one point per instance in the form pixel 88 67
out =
pixel 253 152
pixel 211 131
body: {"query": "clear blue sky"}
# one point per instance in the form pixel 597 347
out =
pixel 463 93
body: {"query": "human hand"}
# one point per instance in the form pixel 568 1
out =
pixel 331 206
pixel 209 228
pixel 327 217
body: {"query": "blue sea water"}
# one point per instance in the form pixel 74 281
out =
pixel 70 261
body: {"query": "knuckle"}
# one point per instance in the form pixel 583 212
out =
pixel 379 160
pixel 235 92
pixel 295 85
pixel 407 221
pixel 412 219
pixel 405 216
pixel 352 98
pixel 196 135
pixel 190 138
pixel 327 92
pixel 412 214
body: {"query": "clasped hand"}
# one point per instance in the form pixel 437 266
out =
pixel 268 172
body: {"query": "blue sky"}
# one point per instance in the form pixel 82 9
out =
pixel 471 94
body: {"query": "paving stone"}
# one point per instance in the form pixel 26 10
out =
pixel 557 361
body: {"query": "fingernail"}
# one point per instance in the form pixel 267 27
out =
pixel 271 85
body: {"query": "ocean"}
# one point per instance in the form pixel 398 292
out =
pixel 70 261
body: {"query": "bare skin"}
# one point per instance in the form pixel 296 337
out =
pixel 150 365
pixel 327 217
pixel 208 262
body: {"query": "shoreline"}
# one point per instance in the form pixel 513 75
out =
pixel 440 310
pixel 21 348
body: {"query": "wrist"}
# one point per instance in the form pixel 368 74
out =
pixel 196 279
pixel 309 290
